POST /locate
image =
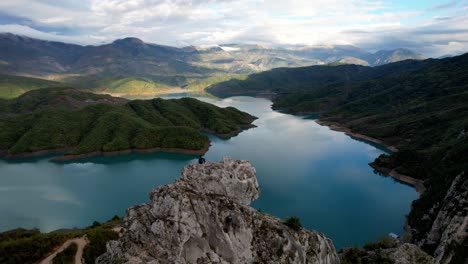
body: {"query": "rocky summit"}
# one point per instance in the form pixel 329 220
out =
pixel 205 217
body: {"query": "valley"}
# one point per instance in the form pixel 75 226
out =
pixel 65 118
pixel 75 193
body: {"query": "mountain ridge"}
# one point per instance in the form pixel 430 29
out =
pixel 96 67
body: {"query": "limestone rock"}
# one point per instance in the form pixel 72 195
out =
pixel 205 217
pixel 450 227
pixel 409 254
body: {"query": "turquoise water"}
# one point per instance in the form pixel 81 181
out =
pixel 304 170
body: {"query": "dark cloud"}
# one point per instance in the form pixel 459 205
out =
pixel 436 31
pixel 448 5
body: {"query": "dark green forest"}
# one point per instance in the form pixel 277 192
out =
pixel 60 120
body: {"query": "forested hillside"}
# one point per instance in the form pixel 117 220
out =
pixel 419 107
pixel 81 123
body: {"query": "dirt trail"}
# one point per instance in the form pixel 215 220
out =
pixel 79 241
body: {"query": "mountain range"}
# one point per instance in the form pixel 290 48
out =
pixel 131 66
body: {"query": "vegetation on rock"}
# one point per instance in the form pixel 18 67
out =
pixel 98 237
pixel 294 223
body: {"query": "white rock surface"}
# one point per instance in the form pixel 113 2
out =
pixel 205 217
pixel 409 254
pixel 450 226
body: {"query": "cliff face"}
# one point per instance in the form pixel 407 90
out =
pixel 449 231
pixel 205 217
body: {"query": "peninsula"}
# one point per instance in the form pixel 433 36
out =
pixel 82 124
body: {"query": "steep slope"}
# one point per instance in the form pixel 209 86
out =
pixel 83 124
pixel 88 66
pixel 287 80
pixel 22 55
pixel 205 217
pixel 133 57
pixel 418 107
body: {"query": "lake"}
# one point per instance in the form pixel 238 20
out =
pixel 303 169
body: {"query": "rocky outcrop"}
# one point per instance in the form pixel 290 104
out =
pixel 387 250
pixel 205 217
pixel 408 254
pixel 449 230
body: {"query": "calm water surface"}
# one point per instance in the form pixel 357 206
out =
pixel 303 169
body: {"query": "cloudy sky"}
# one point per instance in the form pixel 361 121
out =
pixel 432 27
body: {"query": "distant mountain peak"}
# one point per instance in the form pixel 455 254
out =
pixel 399 54
pixel 397 50
pixel 130 40
pixel 13 37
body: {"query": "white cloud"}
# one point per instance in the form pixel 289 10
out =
pixel 27 31
pixel 369 24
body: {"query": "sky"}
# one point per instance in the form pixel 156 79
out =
pixel 431 27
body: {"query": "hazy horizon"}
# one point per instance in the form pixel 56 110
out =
pixel 432 28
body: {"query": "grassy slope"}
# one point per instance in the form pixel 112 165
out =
pixel 422 110
pixel 139 124
pixel 146 86
pixel 202 84
pixel 134 85
pixel 13 86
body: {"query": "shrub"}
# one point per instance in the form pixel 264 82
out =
pixel 383 243
pixel 98 238
pixel 67 256
pixel 294 223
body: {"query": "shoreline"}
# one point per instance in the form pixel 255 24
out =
pixel 129 151
pixel 196 152
pixel 232 133
pixel 33 154
pixel 417 184
pixel 102 153
pixel 336 127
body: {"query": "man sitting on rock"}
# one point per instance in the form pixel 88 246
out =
pixel 201 160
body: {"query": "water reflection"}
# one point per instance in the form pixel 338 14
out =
pixel 303 169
